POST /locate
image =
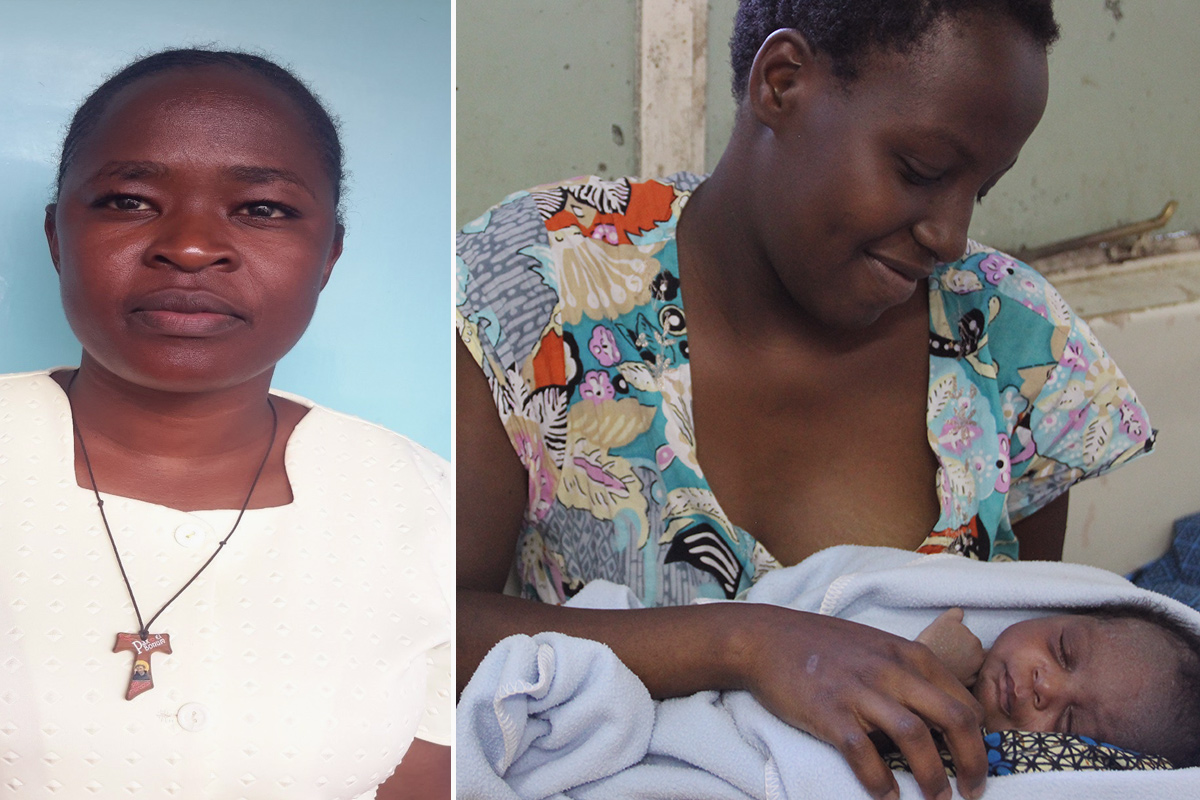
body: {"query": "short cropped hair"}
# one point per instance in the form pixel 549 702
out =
pixel 847 30
pixel 1185 744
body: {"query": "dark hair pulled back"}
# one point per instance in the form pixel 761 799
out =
pixel 322 125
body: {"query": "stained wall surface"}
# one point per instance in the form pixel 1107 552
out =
pixel 379 346
pixel 545 90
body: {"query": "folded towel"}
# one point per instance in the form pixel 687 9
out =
pixel 557 712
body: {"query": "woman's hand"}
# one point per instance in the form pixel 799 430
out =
pixel 954 645
pixel 841 681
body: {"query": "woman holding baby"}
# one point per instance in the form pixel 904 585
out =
pixel 847 368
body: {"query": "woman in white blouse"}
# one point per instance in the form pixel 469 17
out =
pixel 208 589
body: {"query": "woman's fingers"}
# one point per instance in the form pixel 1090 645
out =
pixel 945 705
pixel 859 751
pixel 970 761
pixel 912 736
pixel 909 730
pixel 906 718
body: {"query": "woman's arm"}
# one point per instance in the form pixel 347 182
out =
pixel 490 504
pixel 835 679
pixel 1041 534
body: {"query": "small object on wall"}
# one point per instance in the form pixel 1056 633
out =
pixel 1103 243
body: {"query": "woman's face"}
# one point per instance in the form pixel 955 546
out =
pixel 860 189
pixel 194 230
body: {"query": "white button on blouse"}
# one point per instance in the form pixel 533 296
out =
pixel 192 717
pixel 191 534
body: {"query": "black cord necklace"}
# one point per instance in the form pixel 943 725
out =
pixel 143 644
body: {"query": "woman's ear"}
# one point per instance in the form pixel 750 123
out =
pixel 51 228
pixel 782 76
pixel 335 252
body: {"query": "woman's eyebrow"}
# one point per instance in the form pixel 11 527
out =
pixel 243 173
pixel 130 170
pixel 262 175
pixel 945 138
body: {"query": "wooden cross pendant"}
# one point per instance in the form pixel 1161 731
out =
pixel 140 680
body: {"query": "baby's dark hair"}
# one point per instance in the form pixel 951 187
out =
pixel 322 125
pixel 1185 730
pixel 846 30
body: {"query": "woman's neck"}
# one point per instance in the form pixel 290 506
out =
pixel 190 451
pixel 155 423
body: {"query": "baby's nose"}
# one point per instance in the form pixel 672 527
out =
pixel 1047 686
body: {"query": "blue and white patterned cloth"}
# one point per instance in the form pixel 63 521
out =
pixel 1176 574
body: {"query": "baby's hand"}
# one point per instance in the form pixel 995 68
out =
pixel 954 645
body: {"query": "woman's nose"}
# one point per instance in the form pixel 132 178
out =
pixel 943 229
pixel 191 240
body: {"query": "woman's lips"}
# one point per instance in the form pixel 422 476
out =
pixel 899 280
pixel 191 314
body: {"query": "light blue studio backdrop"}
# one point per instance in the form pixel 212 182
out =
pixel 379 346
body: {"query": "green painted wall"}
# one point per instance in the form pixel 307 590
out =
pixel 1120 133
pixel 545 90
pixel 1118 140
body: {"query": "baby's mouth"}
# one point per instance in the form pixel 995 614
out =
pixel 1007 691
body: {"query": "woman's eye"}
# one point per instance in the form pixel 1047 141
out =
pixel 265 210
pixel 984 191
pixel 124 202
pixel 917 179
pixel 919 174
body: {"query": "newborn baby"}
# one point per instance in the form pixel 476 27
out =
pixel 1125 674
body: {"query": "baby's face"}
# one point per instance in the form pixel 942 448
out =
pixel 1107 679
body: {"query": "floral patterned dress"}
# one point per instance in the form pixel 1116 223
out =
pixel 569 299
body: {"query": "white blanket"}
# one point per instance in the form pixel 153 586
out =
pixel 552 716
